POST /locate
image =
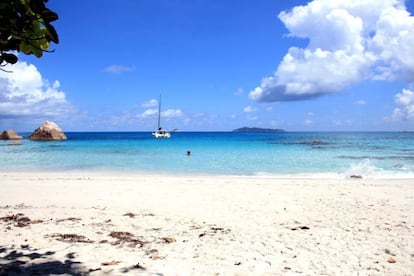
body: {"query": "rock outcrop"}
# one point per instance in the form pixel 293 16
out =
pixel 10 135
pixel 48 131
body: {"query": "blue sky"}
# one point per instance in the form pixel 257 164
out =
pixel 219 65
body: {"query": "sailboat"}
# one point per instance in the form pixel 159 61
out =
pixel 160 133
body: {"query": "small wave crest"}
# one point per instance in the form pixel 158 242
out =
pixel 367 169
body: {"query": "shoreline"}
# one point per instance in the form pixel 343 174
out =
pixel 345 175
pixel 95 223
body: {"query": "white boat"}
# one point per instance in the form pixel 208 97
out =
pixel 160 133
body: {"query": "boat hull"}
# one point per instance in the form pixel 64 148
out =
pixel 161 134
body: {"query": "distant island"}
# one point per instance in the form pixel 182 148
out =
pixel 257 129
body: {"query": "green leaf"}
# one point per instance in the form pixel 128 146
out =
pixel 37 5
pixel 53 36
pixel 25 27
pixel 10 58
pixel 29 48
pixel 49 16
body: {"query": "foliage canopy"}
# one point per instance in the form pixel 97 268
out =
pixel 25 26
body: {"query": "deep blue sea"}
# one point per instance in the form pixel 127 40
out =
pixel 372 154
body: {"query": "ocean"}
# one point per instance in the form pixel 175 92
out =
pixel 370 154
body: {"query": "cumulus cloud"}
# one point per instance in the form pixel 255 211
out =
pixel 24 93
pixel 169 113
pixel 150 103
pixel 148 113
pixel 119 69
pixel 349 41
pixel 405 105
pixel 172 113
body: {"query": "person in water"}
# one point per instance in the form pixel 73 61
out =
pixel 188 153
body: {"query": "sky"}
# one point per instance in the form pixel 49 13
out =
pixel 321 65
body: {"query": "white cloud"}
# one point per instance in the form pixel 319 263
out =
pixel 252 118
pixel 174 116
pixel 150 103
pixel 308 122
pixel 169 113
pixel 393 45
pixel 25 93
pixel 148 113
pixel 406 97
pixel 349 41
pixel 360 102
pixel 405 105
pixel 342 123
pixel 172 113
pixel 249 109
pixel 119 69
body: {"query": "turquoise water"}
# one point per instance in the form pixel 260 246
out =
pixel 366 153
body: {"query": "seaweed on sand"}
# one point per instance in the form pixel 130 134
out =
pixel 126 237
pixel 71 238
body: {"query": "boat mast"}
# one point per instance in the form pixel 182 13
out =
pixel 159 113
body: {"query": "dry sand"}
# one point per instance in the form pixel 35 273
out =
pixel 113 223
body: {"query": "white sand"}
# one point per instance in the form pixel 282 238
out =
pixel 204 225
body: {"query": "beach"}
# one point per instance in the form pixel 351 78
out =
pixel 95 223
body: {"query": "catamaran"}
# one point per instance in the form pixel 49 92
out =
pixel 160 133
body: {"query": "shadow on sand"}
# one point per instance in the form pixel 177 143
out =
pixel 26 261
